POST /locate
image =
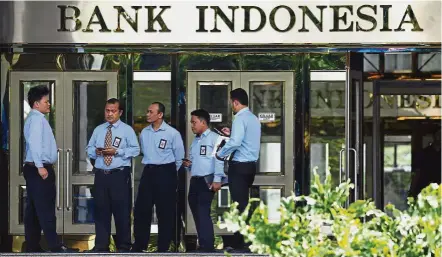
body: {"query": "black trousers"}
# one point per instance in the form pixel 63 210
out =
pixel 113 196
pixel 157 187
pixel 241 177
pixel 40 208
pixel 200 199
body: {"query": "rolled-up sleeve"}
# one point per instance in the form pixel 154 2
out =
pixel 90 148
pixel 132 149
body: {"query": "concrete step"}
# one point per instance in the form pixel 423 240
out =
pixel 128 254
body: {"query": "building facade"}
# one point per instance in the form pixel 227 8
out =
pixel 349 88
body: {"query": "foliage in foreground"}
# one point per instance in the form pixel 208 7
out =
pixel 318 225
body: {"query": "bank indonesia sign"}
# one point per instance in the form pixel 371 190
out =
pixel 221 22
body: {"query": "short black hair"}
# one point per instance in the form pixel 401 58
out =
pixel 116 101
pixel 202 115
pixel 36 93
pixel 240 95
pixel 161 108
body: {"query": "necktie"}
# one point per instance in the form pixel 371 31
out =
pixel 107 144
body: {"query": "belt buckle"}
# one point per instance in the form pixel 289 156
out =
pixel 107 172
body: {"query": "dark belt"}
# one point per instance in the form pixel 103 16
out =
pixel 107 172
pixel 44 164
pixel 150 166
pixel 237 162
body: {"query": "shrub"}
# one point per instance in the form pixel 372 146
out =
pixel 318 225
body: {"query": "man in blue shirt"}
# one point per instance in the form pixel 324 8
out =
pixel 163 150
pixel 207 173
pixel 113 145
pixel 244 144
pixel 40 156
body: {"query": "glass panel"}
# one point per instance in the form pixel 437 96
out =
pixel 214 98
pixel 327 129
pixel 272 198
pixel 397 170
pixel 144 93
pixel 22 204
pixel 89 100
pixel 371 62
pixel 429 62
pixel 398 62
pixel 83 204
pixel 267 103
pixel 26 86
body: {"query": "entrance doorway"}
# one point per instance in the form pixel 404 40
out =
pixel 77 104
pixel 271 98
pixel 406 115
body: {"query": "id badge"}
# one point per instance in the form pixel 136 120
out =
pixel 116 142
pixel 203 149
pixel 162 144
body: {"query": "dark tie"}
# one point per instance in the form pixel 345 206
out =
pixel 107 144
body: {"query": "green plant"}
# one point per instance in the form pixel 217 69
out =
pixel 318 225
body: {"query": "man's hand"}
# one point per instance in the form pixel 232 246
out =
pixel 216 186
pixel 187 163
pixel 43 173
pixel 99 151
pixel 109 151
pixel 226 131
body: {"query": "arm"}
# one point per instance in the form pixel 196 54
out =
pixel 35 140
pixel 237 136
pixel 178 150
pixel 132 149
pixel 141 143
pixel 90 148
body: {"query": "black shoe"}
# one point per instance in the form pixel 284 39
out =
pixel 97 250
pixel 64 249
pixel 123 251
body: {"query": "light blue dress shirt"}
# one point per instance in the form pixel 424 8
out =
pixel 202 158
pixel 124 140
pixel 41 146
pixel 162 146
pixel 245 137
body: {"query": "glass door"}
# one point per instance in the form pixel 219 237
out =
pixel 84 100
pixel 272 100
pixel 21 82
pixel 210 91
pixel 406 115
pixel 77 107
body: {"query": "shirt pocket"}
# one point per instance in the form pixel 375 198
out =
pixel 208 151
pixel 119 141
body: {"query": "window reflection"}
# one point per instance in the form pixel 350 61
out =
pixel 83 203
pixel 266 103
pixel 89 100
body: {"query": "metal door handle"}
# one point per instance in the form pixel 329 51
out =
pixel 58 179
pixel 356 172
pixel 68 207
pixel 133 183
pixel 340 165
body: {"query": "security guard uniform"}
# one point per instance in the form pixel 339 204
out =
pixel 163 152
pixel 204 166
pixel 112 184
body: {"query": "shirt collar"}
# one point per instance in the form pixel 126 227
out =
pixel 163 126
pixel 115 125
pixel 37 112
pixel 245 109
pixel 205 133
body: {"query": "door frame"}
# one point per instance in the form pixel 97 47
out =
pixel 391 87
pixel 16 180
pixel 63 97
pixel 241 79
